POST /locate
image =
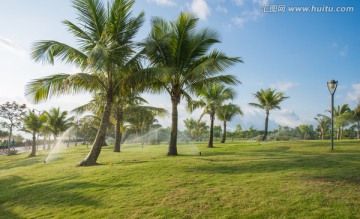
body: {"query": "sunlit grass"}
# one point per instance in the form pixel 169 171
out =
pixel 241 179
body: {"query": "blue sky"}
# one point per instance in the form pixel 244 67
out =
pixel 294 52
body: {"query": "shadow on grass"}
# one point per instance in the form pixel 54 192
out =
pixel 330 167
pixel 22 162
pixel 64 192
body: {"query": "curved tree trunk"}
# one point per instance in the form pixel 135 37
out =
pixel 172 151
pixel 211 137
pixel 224 133
pixel 94 153
pixel 266 126
pixel 33 146
pixel 118 133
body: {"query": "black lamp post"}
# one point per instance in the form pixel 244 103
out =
pixel 332 85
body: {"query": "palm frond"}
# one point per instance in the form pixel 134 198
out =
pixel 92 16
pixel 46 51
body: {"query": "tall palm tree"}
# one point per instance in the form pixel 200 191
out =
pixel 268 100
pixel 342 116
pixel 142 117
pixel 58 121
pixel 356 114
pixel 211 99
pixel 190 124
pixel 33 124
pixel 105 36
pixel 180 62
pixel 323 124
pixel 226 113
pixel 200 128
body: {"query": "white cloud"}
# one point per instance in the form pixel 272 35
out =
pixel 246 16
pixel 200 8
pixel 256 117
pixel 163 2
pixel 250 12
pixel 12 47
pixel 222 9
pixel 354 95
pixel 286 117
pixel 342 50
pixel 284 86
pixel 239 21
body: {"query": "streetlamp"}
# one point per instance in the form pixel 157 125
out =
pixel 332 85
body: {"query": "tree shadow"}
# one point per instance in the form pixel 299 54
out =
pixel 60 192
pixel 22 162
pixel 341 167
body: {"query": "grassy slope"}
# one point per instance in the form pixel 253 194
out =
pixel 276 180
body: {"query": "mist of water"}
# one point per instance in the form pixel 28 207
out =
pixel 154 137
pixel 60 144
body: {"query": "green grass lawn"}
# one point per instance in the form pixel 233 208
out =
pixel 301 179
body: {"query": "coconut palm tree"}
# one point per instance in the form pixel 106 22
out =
pixel 342 116
pixel 142 117
pixel 105 36
pixel 181 62
pixel 190 124
pixel 226 113
pixel 211 99
pixel 33 124
pixel 356 114
pixel 200 128
pixel 268 100
pixel 323 124
pixel 57 121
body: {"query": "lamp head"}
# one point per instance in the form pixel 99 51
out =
pixel 332 85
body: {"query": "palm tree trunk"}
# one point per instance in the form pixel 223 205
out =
pixel 33 146
pixel 266 126
pixel 172 151
pixel 211 137
pixel 341 132
pixel 94 153
pixel 118 133
pixel 358 130
pixel 322 135
pixel 224 133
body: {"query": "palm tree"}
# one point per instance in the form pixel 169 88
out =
pixel 142 117
pixel 200 127
pixel 126 102
pixel 180 62
pixel 211 99
pixel 323 124
pixel 105 36
pixel 342 116
pixel 226 113
pixel 190 125
pixel 356 114
pixel 268 100
pixel 57 121
pixel 33 124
